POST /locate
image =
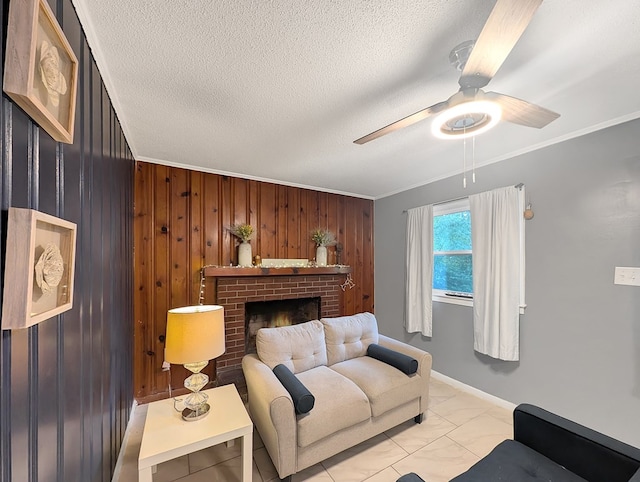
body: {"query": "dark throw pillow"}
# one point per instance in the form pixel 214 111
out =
pixel 302 398
pixel 410 477
pixel 402 362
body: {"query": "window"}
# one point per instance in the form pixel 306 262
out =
pixel 452 252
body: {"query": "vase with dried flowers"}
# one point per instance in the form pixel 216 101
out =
pixel 322 238
pixel 244 232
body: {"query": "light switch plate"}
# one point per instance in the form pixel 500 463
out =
pixel 627 276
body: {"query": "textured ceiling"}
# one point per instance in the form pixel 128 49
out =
pixel 278 90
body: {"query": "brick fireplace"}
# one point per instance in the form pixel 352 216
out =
pixel 234 292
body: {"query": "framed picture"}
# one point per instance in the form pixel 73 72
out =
pixel 39 268
pixel 41 70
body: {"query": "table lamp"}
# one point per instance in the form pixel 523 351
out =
pixel 195 335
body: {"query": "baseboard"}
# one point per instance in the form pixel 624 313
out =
pixel 123 446
pixel 473 391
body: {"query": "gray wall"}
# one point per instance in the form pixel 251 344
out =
pixel 66 383
pixel 580 335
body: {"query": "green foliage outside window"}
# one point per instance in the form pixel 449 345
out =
pixel 452 271
pixel 452 232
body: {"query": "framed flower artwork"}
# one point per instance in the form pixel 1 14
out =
pixel 41 70
pixel 39 268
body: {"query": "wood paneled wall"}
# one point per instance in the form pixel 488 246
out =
pixel 66 383
pixel 180 225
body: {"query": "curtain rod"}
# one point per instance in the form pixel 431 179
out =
pixel 518 186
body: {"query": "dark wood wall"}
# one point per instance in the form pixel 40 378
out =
pixel 66 383
pixel 180 225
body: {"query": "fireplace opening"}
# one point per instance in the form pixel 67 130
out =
pixel 270 314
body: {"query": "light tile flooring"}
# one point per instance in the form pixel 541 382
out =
pixel 458 430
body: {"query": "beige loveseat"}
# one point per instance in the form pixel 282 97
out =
pixel 356 396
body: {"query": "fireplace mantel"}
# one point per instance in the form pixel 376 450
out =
pixel 235 272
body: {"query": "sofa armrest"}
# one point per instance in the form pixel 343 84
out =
pixel 273 413
pixel 424 363
pixel 583 451
pixel 423 357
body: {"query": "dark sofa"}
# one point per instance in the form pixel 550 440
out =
pixel 548 447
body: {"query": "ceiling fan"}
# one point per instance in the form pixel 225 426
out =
pixel 471 111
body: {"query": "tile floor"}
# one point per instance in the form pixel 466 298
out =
pixel 458 430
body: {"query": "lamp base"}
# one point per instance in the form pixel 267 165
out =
pixel 193 415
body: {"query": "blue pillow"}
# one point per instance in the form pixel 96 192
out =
pixel 402 362
pixel 302 398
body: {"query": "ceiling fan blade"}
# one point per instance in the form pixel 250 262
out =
pixel 405 122
pixel 522 112
pixel 506 23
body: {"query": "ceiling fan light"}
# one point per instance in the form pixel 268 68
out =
pixel 466 119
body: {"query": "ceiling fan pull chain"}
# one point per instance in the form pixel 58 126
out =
pixel 464 163
pixel 473 160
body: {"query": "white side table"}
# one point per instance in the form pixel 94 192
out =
pixel 166 436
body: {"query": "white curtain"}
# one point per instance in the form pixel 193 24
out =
pixel 419 270
pixel 496 218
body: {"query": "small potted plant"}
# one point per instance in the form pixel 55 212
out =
pixel 244 232
pixel 322 238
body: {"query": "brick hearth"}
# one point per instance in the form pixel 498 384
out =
pixel 232 293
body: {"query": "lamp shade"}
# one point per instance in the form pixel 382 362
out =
pixel 194 334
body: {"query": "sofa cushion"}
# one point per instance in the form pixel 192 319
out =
pixel 511 460
pixel 386 387
pixel 339 405
pixel 298 347
pixel 349 336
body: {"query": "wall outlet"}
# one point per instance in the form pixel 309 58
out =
pixel 627 276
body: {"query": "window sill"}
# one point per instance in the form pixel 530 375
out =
pixel 452 300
